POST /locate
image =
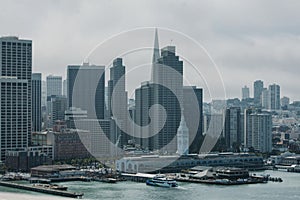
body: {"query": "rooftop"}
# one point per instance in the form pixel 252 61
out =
pixel 49 168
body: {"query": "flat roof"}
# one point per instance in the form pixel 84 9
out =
pixel 49 168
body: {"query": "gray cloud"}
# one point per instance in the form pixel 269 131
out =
pixel 249 40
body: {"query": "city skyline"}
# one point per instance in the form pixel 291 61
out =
pixel 104 99
pixel 239 44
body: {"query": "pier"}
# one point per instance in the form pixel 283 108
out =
pixel 41 190
pixel 220 181
pixel 60 179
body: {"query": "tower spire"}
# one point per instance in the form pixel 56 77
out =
pixel 155 56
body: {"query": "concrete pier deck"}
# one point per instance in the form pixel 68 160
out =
pixel 41 190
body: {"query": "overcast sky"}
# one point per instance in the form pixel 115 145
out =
pixel 248 40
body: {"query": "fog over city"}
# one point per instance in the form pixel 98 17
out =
pixel 248 40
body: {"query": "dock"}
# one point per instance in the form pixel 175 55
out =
pixel 219 182
pixel 59 179
pixel 41 190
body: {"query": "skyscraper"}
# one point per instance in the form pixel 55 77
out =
pixel 117 97
pixel 15 80
pixel 265 96
pixel 36 101
pixel 258 88
pixel 232 130
pixel 54 85
pixel 193 117
pixel 143 101
pixel 168 93
pixel 117 77
pixel 155 57
pixel 274 97
pixel 85 85
pixel 245 92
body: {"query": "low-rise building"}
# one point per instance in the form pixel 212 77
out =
pixel 51 170
pixel 69 144
pixel 26 158
pixel 175 163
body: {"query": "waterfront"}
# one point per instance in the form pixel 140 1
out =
pixel 289 189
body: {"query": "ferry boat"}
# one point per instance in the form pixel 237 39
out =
pixel 162 181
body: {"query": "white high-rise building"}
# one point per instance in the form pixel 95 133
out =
pixel 15 92
pixel 258 130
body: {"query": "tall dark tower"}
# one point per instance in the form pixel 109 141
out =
pixel 85 87
pixel 36 96
pixel 194 119
pixel 168 93
pixel 258 88
pixel 232 129
pixel 117 98
pixel 143 103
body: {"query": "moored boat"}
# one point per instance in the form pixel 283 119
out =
pixel 162 181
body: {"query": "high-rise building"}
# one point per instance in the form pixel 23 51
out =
pixel 65 85
pixel 36 97
pixel 265 96
pixel 44 93
pixel 232 130
pixel 15 80
pixel 258 88
pixel 193 99
pixel 274 97
pixel 117 98
pixel 54 85
pixel 168 93
pixel 74 114
pixel 245 92
pixel 143 101
pixel 58 108
pixel 258 130
pixel 85 85
pixel 213 123
pixel 155 57
pixel 242 127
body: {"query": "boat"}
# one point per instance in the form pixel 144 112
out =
pixel 162 181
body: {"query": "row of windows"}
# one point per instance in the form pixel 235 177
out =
pixel 16 43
